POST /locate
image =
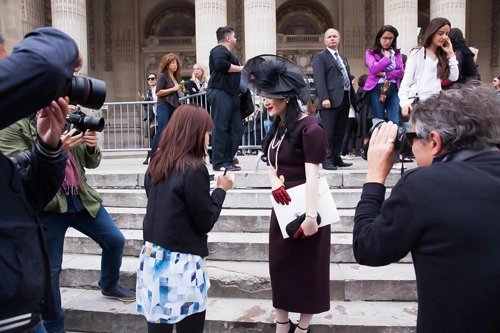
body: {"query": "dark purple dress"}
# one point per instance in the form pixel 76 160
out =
pixel 300 269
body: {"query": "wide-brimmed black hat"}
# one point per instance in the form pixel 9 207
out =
pixel 275 77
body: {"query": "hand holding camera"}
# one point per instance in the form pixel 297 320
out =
pixel 384 146
pixel 70 139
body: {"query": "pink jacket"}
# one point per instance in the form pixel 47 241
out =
pixel 376 64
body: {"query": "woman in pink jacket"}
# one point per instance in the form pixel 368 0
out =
pixel 385 66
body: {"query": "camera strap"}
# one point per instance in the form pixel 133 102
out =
pixel 417 85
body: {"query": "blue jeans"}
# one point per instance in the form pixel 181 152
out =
pixel 102 230
pixel 267 125
pixel 164 113
pixel 39 328
pixel 391 104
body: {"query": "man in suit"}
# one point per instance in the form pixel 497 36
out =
pixel 334 88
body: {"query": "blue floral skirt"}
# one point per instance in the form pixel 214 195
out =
pixel 170 285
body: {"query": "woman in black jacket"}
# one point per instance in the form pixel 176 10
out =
pixel 179 214
pixel 466 66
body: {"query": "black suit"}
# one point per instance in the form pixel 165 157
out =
pixel 329 84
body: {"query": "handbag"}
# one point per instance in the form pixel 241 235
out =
pixel 246 104
pixel 297 207
pixel 292 227
pixel 385 89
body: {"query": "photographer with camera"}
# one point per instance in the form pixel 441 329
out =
pixel 445 212
pixel 76 205
pixel 48 59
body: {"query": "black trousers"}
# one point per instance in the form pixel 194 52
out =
pixel 335 123
pixel 228 127
pixel 191 324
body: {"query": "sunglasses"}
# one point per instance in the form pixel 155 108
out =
pixel 151 78
pixel 410 136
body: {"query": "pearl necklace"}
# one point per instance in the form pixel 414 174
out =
pixel 276 146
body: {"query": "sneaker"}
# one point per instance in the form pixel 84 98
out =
pixel 347 157
pixel 229 167
pixel 120 293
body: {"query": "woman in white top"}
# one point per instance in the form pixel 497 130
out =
pixel 429 64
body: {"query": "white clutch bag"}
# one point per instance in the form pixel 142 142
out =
pixel 326 206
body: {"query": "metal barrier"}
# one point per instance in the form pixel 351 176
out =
pixel 254 131
pixel 127 125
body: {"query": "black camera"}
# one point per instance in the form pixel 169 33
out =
pixel 21 159
pixel 86 91
pixel 82 122
pixel 400 142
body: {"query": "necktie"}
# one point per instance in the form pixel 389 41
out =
pixel 347 84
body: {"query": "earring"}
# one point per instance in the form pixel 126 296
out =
pixel 287 101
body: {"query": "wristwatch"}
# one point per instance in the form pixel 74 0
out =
pixel 313 214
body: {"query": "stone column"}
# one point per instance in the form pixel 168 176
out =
pixel 210 15
pixel 260 27
pixel 10 23
pixel 403 15
pixel 453 10
pixel 71 17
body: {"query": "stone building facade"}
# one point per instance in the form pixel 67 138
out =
pixel 123 40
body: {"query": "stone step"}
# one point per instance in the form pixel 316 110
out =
pixel 222 245
pixel 243 179
pixel 236 198
pixel 230 220
pixel 237 279
pixel 88 311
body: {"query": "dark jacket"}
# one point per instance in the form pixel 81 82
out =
pixel 446 215
pixel 165 82
pixel 47 57
pixel 25 288
pixel 220 61
pixel 328 79
pixel 149 108
pixel 191 88
pixel 35 73
pixel 21 136
pixel 466 66
pixel 180 211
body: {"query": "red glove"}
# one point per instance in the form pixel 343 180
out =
pixel 281 195
pixel 300 234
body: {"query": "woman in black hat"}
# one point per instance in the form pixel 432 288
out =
pixel 293 149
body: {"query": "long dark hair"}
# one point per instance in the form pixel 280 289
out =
pixel 377 46
pixel 165 62
pixel 182 143
pixel 293 113
pixel 443 69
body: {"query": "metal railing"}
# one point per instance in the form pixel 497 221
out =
pixel 254 131
pixel 127 125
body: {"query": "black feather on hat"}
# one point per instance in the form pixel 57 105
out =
pixel 275 77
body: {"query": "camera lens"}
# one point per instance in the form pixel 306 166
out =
pixel 86 91
pixel 93 123
pixel 22 159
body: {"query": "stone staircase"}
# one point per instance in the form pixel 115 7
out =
pixel 363 299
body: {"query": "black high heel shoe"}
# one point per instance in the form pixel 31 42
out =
pixel 292 325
